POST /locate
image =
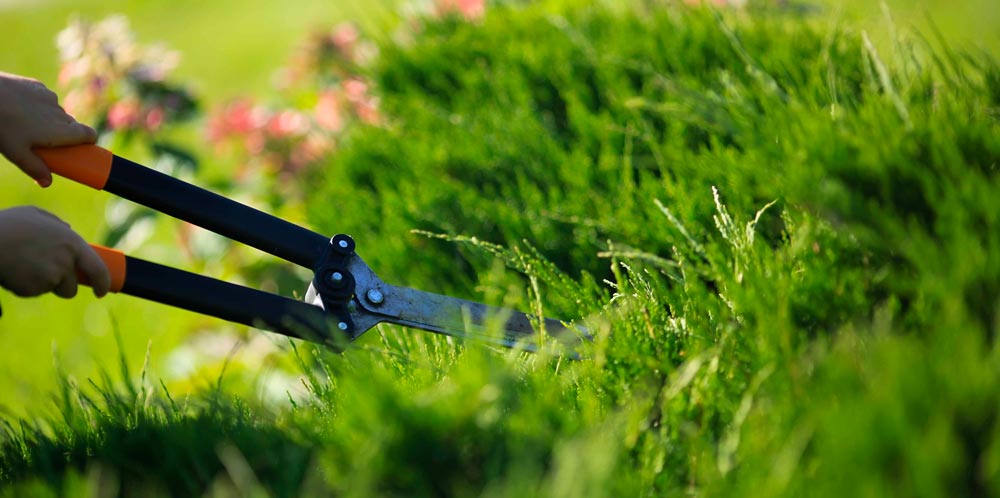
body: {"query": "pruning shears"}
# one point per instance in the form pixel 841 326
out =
pixel 345 298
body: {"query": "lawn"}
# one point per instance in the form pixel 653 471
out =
pixel 782 230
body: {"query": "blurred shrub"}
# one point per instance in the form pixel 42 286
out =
pixel 853 202
pixel 568 144
pixel 787 243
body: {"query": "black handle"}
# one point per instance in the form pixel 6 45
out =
pixel 228 301
pixel 214 212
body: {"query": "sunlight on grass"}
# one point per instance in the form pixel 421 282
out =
pixel 782 231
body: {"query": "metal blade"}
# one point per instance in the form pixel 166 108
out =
pixel 376 302
pixel 461 318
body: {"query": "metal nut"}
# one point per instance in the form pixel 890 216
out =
pixel 375 296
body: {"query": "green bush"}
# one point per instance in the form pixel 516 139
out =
pixel 786 243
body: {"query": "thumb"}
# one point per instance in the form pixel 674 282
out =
pixel 70 134
pixel 93 270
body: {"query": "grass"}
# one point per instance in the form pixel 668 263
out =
pixel 785 240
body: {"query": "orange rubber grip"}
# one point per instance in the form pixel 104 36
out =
pixel 86 164
pixel 115 261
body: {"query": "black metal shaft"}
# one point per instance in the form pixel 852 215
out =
pixel 214 212
pixel 225 300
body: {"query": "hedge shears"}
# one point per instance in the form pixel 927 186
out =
pixel 345 298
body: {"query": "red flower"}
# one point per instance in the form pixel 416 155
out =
pixel 154 118
pixel 123 114
pixel 238 117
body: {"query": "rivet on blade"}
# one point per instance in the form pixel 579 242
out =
pixel 342 325
pixel 375 296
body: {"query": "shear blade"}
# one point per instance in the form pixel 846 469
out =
pixel 461 318
pixel 378 302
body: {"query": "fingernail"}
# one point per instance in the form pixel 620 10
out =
pixel 44 182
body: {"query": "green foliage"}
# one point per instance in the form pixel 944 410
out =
pixel 785 243
pixel 136 440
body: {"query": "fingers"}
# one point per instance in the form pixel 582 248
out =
pixel 44 93
pixel 66 288
pixel 70 133
pixel 41 253
pixel 39 212
pixel 32 165
pixel 30 116
pixel 92 267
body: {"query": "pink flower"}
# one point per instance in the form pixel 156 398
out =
pixel 70 71
pixel 73 102
pixel 355 89
pixel 469 9
pixel 286 122
pixel 344 37
pixel 123 114
pixel 238 117
pixel 328 111
pixel 367 110
pixel 154 118
pixel 308 151
pixel 255 143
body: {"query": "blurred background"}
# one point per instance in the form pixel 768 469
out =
pixel 233 50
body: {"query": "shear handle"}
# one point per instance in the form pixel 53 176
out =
pixel 100 169
pixel 209 296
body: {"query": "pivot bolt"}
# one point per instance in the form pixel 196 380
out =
pixel 342 244
pixel 375 296
pixel 337 277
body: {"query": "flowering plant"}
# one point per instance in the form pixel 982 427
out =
pixel 117 83
pixel 322 92
pixel 121 87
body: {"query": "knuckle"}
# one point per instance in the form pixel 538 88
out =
pixel 26 290
pixel 45 91
pixel 52 280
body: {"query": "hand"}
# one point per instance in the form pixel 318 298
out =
pixel 39 253
pixel 30 116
